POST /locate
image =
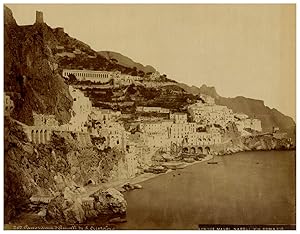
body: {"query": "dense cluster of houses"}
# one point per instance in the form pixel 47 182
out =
pixel 200 126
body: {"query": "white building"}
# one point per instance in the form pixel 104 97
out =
pixel 210 114
pixel 182 131
pixel 253 124
pixel 115 135
pixel 104 115
pixel 44 120
pixel 178 117
pixel 187 135
pixel 93 76
pixel 154 109
pixel 205 138
pixel 125 79
pixel 102 76
pixel 157 133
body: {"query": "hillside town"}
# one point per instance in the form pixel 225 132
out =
pixel 198 130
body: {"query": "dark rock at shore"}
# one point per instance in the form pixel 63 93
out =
pixel 257 143
pixel 266 142
pixel 110 201
pixel 118 220
pixel 67 208
pixel 44 171
pixel 129 187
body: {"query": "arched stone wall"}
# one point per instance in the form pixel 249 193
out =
pixel 185 150
pixel 42 140
pixel 192 150
pixel 207 150
pixel 200 150
pixel 37 137
pixel 46 136
pixel 32 136
pixel 196 150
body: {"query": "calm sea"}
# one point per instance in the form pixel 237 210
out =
pixel 244 188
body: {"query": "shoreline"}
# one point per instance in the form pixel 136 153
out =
pixel 118 185
pixel 147 176
pixel 90 189
pixel 140 178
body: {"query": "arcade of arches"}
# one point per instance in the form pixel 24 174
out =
pixel 39 136
pixel 192 149
pixel 43 135
pixel 196 150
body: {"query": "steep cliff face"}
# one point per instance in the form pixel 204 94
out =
pixel 30 74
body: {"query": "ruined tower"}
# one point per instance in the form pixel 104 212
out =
pixel 39 17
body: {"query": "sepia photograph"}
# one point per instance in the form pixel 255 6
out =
pixel 149 116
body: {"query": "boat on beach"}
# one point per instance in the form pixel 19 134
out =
pixel 174 165
pixel 212 161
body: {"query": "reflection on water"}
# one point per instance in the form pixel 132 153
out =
pixel 245 188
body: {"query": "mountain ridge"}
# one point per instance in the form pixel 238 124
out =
pixel 126 61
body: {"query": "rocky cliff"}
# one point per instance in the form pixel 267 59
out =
pixel 47 170
pixel 30 71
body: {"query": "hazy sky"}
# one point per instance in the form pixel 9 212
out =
pixel 246 50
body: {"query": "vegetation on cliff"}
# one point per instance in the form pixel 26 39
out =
pixel 126 62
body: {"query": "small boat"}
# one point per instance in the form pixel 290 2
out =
pixel 212 162
pixel 189 160
pixel 201 155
